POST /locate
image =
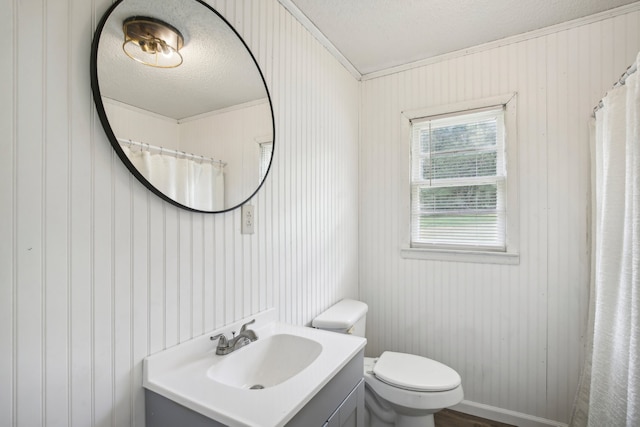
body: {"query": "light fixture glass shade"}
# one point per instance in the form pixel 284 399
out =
pixel 152 42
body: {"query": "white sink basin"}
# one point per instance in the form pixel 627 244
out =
pixel 266 362
pixel 291 363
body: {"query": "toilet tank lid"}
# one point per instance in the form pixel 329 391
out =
pixel 341 315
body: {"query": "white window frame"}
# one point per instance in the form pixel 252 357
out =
pixel 511 254
pixel 265 145
pixel 266 154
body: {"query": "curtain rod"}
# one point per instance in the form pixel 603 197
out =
pixel 175 153
pixel 621 81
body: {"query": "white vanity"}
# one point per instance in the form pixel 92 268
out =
pixel 291 375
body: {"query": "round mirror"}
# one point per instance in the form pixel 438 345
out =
pixel 183 102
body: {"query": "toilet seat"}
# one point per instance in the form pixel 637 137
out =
pixel 410 400
pixel 415 373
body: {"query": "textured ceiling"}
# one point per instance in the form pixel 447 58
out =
pixel 217 72
pixel 377 34
pixel 373 35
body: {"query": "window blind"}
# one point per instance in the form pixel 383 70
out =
pixel 458 187
pixel 266 148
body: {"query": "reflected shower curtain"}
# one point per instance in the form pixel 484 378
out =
pixel 188 182
pixel 207 186
pixel 610 389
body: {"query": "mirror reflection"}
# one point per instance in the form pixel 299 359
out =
pixel 200 133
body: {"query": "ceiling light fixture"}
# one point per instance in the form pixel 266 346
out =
pixel 152 42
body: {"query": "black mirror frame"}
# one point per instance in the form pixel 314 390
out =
pixel 97 98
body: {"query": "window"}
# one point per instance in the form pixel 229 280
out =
pixel 462 198
pixel 458 181
pixel 266 148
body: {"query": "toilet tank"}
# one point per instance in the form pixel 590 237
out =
pixel 347 317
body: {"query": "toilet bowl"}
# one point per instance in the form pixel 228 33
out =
pixel 401 389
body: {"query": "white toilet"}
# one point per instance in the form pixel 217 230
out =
pixel 401 389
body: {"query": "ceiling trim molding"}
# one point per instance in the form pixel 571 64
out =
pixel 244 105
pixel 622 10
pixel 107 100
pixel 324 41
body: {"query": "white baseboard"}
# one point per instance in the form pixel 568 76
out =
pixel 504 415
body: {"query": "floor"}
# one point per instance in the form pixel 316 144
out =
pixel 449 418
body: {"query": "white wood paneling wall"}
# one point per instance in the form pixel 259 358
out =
pixel 514 333
pixel 96 272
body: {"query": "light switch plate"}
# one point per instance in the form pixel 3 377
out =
pixel 248 219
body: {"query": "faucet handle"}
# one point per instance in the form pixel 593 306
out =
pixel 244 327
pixel 223 339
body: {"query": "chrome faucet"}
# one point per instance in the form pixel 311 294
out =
pixel 226 346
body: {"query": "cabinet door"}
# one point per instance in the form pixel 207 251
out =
pixel 351 412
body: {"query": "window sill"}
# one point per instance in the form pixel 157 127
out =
pixel 508 258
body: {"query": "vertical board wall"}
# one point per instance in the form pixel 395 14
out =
pixel 514 333
pixel 96 272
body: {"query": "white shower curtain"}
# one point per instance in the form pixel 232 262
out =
pixel 188 182
pixel 610 388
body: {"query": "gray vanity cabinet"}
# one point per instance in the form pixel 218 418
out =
pixel 339 403
pixel 351 412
